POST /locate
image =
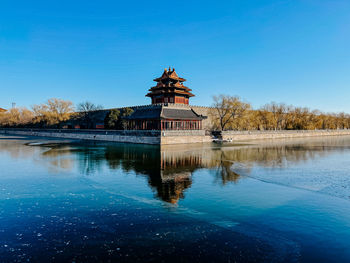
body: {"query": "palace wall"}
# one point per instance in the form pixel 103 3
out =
pixel 207 123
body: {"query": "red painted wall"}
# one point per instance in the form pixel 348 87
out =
pixel 176 99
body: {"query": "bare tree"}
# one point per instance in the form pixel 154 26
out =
pixel 88 106
pixel 16 117
pixel 279 113
pixel 228 110
pixel 85 111
pixel 53 111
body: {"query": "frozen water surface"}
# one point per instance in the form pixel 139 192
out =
pixel 273 201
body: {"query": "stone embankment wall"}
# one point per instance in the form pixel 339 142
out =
pixel 184 137
pixel 144 137
pixel 168 137
pixel 260 135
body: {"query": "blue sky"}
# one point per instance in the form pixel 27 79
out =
pixel 108 52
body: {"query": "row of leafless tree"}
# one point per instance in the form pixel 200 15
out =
pixel 228 113
pixel 50 113
pixel 231 113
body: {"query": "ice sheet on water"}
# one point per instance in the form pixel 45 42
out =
pixel 326 175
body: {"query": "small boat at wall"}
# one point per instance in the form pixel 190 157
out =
pixel 217 140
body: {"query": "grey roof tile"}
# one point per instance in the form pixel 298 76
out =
pixel 168 113
pixel 156 113
pixel 145 113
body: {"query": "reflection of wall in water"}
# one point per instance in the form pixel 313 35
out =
pixel 170 169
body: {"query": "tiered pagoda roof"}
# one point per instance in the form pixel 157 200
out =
pixel 170 84
pixel 160 112
pixel 2 110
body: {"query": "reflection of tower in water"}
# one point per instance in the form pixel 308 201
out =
pixel 175 175
pixel 169 175
pixel 169 172
pixel 171 188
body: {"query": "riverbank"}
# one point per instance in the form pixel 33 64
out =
pixel 168 137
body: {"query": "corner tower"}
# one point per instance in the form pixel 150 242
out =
pixel 170 89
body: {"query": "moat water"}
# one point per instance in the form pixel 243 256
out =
pixel 277 201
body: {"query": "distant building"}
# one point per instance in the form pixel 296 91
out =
pixel 170 108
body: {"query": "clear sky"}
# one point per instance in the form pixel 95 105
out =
pixel 108 52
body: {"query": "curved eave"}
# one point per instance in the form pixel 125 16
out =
pixel 169 87
pixel 151 94
pixel 169 77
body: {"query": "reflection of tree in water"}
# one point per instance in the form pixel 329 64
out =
pixel 232 162
pixel 275 156
pixel 224 172
pixel 15 147
pixel 169 170
pixel 142 159
pixel 89 159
